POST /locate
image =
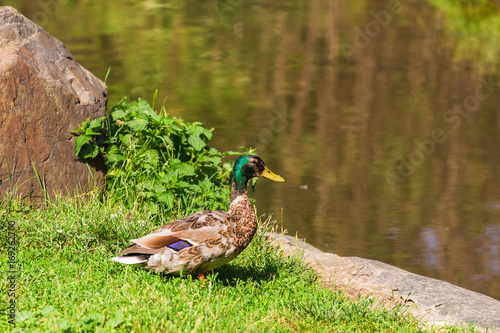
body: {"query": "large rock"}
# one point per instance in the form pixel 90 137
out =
pixel 44 95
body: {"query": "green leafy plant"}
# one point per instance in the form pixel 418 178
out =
pixel 156 160
pixel 87 142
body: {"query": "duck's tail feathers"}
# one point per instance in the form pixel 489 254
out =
pixel 131 260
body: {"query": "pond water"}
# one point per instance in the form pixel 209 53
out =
pixel 381 115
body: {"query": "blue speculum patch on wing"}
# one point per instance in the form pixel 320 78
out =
pixel 179 245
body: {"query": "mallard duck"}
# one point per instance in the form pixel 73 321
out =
pixel 207 239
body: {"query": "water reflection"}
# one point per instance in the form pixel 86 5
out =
pixel 384 122
pixel 430 249
pixel 493 244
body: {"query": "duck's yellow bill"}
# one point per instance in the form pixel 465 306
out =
pixel 271 175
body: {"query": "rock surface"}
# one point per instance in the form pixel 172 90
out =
pixel 44 95
pixel 433 301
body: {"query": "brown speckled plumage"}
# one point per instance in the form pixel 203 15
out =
pixel 207 239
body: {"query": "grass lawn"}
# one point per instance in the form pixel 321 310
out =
pixel 68 283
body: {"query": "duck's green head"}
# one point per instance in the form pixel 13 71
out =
pixel 249 166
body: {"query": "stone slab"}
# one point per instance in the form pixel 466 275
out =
pixel 433 301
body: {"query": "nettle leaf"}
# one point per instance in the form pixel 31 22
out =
pixel 167 198
pixel 183 184
pixel 117 114
pixel 148 110
pixel 195 188
pixel 159 188
pixel 95 126
pixel 196 142
pixel 147 194
pixel 89 150
pixel 167 178
pixel 174 163
pixel 189 170
pixel 165 120
pixel 211 159
pixel 80 141
pixel 148 185
pixel 174 128
pixel 213 152
pixel 82 128
pixel 206 183
pixel 90 131
pixel 180 169
pixel 207 133
pixel 113 154
pixel 137 124
pixel 195 128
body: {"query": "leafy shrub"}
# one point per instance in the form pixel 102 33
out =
pixel 155 160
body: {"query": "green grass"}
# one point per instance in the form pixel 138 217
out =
pixel 68 283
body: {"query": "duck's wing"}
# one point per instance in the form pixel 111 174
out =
pixel 177 235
